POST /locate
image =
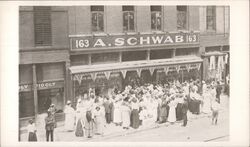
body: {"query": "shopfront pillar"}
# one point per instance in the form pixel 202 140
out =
pixel 173 54
pixel 89 59
pixel 205 68
pixel 35 90
pixel 67 83
pixel 120 57
pixel 148 54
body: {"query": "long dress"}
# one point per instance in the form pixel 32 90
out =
pixel 98 121
pixel 79 128
pixel 172 113
pixel 155 110
pixel 117 112
pixel 80 111
pixel 179 109
pixel 88 119
pixel 206 108
pixel 32 132
pixel 135 115
pixel 163 112
pixel 125 116
pixel 69 118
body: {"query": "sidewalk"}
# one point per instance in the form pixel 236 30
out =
pixel 111 130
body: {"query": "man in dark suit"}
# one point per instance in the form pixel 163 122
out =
pixel 49 126
pixel 218 91
pixel 107 106
pixel 184 112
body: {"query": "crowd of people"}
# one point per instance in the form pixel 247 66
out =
pixel 137 106
pixel 143 105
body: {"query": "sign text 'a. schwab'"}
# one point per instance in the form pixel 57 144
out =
pixel 133 40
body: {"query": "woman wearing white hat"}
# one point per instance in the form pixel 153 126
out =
pixel 69 117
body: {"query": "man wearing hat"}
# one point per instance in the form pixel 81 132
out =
pixel 49 126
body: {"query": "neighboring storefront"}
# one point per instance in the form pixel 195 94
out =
pixel 39 86
pixel 216 63
pixel 105 63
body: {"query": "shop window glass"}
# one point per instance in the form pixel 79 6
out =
pixel 212 49
pixel 104 58
pixel 211 17
pixel 26 104
pixel 97 18
pixel 49 96
pixel 128 18
pixel 156 18
pixel 186 51
pixel 42 26
pixel 181 17
pixel 79 60
pixel 225 48
pixel 160 54
pixel 134 55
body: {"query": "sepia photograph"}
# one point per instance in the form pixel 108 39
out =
pixel 124 73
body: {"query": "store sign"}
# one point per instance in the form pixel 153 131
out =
pixel 44 85
pixel 25 87
pixel 87 42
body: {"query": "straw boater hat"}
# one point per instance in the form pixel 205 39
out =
pixel 79 100
pixel 68 102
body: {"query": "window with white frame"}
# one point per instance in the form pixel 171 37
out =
pixel 181 17
pixel 97 18
pixel 128 18
pixel 156 18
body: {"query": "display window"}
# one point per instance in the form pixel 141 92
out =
pixel 26 104
pixel 47 97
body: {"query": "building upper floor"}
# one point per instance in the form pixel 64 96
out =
pixel 50 27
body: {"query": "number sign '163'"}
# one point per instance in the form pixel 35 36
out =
pixel 133 40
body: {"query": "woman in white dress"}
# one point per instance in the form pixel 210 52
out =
pixel 125 115
pixel 117 113
pixel 172 112
pixel 69 117
pixel 98 120
pixel 206 108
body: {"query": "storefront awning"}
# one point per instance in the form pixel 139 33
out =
pixel 174 64
pixel 215 53
pixel 133 65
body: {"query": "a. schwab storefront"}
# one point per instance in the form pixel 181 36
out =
pixel 114 61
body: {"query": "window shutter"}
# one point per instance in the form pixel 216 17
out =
pixel 42 22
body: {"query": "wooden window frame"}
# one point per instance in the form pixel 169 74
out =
pixel 97 12
pixel 127 13
pixel 161 22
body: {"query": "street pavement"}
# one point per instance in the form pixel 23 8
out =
pixel 199 128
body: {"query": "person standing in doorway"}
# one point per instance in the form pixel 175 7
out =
pixel 49 126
